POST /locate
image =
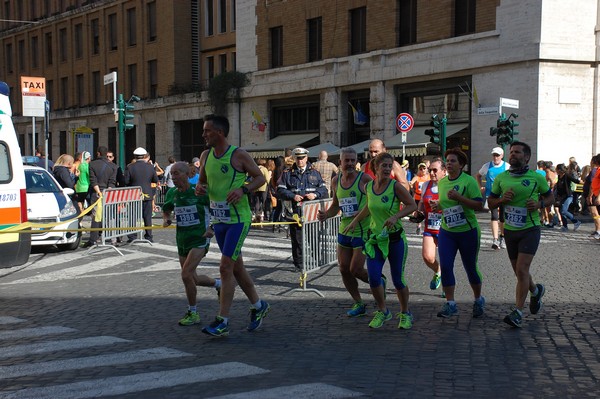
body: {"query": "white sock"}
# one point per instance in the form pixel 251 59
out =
pixel 192 308
pixel 217 283
pixel 257 305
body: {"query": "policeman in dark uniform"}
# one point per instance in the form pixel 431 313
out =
pixel 141 173
pixel 103 175
pixel 299 183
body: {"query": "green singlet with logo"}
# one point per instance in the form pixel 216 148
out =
pixel 351 200
pixel 455 216
pixel 382 206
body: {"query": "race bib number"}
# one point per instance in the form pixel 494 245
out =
pixel 515 216
pixel 434 221
pixel 348 206
pixel 187 216
pixel 455 216
pixel 220 212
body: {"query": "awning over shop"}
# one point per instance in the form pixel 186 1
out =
pixel 416 140
pixel 313 152
pixel 360 148
pixel 277 146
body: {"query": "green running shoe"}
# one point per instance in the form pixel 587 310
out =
pixel 436 281
pixel 190 318
pixel 380 318
pixel 357 310
pixel 406 320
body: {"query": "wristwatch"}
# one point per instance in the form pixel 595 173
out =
pixel 245 190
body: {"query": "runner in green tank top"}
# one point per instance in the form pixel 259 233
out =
pixel 223 170
pixel 348 192
pixel 523 193
pixel 192 236
pixel 387 239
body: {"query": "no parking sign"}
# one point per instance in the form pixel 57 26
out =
pixel 404 122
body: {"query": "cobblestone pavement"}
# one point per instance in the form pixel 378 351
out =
pixel 74 324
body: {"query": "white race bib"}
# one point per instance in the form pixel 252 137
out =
pixel 434 221
pixel 348 206
pixel 187 216
pixel 455 216
pixel 515 216
pixel 220 212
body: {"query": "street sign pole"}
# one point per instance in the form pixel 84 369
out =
pixel 404 123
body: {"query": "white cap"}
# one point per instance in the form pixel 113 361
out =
pixel 497 150
pixel 139 151
pixel 299 152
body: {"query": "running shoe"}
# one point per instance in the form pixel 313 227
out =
pixel 358 309
pixel 257 315
pixel 577 225
pixel 406 320
pixel 564 229
pixel 384 283
pixel 190 318
pixel 535 302
pixel 478 307
pixel 448 310
pixel 380 318
pixel 501 243
pixel 495 244
pixel 514 319
pixel 218 328
pixel 596 235
pixel 435 282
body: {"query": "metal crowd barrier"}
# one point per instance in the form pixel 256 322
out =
pixel 319 240
pixel 121 213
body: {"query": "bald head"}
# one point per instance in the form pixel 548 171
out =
pixel 323 155
pixel 376 147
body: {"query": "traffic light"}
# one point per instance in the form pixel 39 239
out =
pixel 435 133
pixel 125 114
pixel 504 130
pixel 512 124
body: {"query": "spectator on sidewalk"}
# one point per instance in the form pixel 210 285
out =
pixel 327 169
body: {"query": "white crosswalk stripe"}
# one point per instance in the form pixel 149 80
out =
pixel 21 364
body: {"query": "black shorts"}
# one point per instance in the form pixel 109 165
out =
pixel 522 241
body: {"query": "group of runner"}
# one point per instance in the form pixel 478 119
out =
pixel 372 207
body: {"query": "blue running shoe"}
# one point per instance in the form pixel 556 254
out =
pixel 218 328
pixel 435 282
pixel 358 309
pixel 479 307
pixel 257 315
pixel 448 310
pixel 514 319
pixel 535 302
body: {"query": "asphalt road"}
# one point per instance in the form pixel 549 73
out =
pixel 75 324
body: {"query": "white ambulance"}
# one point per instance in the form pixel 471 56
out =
pixel 14 247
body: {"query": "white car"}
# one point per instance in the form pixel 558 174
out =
pixel 48 202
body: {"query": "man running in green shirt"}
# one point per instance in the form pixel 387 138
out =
pixel 192 235
pixel 523 193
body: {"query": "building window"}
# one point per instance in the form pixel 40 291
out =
pixel 464 17
pixel 233 16
pixel 233 61
pixel 9 58
pixel 222 16
pixel 359 117
pixel 47 8
pixel 222 63
pixel 151 21
pixel 48 40
pixel 95 36
pixel 80 87
pixel 132 75
pixel 63 51
pixel 97 87
pixel 50 92
pixel 210 67
pixel 112 140
pixel 358 30
pixel 276 46
pixel 151 140
pixel 153 79
pixel 131 27
pixel 315 39
pixel 35 48
pixel 79 41
pixel 21 55
pixel 407 22
pixel 113 38
pixel 62 142
pixel 64 93
pixel 296 118
pixel 210 29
